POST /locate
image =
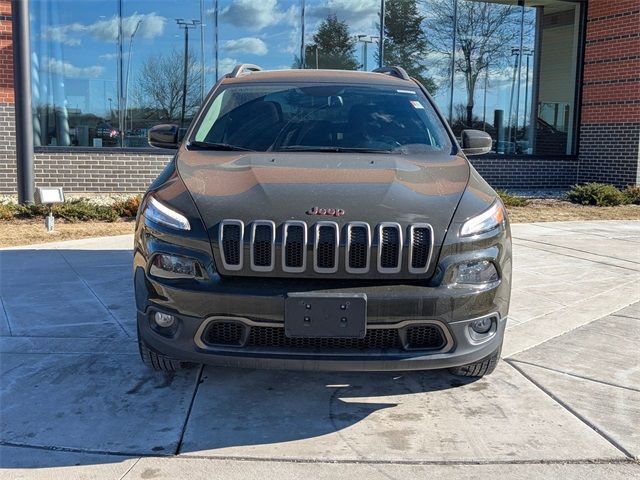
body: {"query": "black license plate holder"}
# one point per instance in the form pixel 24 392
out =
pixel 325 315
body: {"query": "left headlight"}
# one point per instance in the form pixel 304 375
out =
pixel 160 213
pixel 488 220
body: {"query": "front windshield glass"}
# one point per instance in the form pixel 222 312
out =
pixel 268 117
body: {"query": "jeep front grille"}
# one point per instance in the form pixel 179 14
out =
pixel 325 247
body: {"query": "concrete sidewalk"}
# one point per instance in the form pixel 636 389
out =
pixel 76 402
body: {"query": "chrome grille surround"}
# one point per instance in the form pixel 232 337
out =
pixel 350 247
pixel 322 239
pixel 270 246
pixel 224 241
pixel 288 246
pixel 200 341
pixel 328 247
pixel 414 249
pixel 389 247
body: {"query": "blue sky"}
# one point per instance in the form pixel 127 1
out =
pixel 76 40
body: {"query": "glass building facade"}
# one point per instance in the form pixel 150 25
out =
pixel 104 72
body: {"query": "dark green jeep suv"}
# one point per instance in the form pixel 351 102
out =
pixel 317 219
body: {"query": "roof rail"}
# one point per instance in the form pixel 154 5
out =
pixel 398 72
pixel 243 69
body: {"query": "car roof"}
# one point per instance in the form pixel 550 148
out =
pixel 319 76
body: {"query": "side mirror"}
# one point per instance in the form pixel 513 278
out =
pixel 164 136
pixel 476 142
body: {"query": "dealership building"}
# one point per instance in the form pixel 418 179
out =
pixel 556 82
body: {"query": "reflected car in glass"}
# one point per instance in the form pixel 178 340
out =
pixel 318 219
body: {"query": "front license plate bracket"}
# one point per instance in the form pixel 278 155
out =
pixel 325 315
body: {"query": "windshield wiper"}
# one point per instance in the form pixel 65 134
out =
pixel 309 148
pixel 215 146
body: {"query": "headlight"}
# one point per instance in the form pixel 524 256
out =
pixel 160 213
pixel 488 220
pixel 165 265
pixel 477 272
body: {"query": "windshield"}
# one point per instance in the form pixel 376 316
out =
pixel 339 118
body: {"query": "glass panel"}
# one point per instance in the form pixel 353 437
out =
pixel 75 98
pixel 265 32
pixel 342 34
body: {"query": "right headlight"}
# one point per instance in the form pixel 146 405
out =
pixel 160 213
pixel 488 220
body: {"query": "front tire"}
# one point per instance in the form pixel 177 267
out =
pixel 479 369
pixel 157 361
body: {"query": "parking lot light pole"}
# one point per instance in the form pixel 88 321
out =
pixel 381 44
pixel 186 25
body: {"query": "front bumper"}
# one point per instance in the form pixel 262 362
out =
pixel 260 302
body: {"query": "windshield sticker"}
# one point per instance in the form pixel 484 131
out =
pixel 417 104
pixel 411 92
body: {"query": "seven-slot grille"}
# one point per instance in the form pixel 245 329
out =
pixel 322 242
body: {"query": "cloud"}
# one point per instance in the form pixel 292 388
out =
pixel 357 13
pixel 252 14
pixel 151 26
pixel 246 45
pixel 69 70
pixel 226 64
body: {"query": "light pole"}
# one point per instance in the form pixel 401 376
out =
pixel 453 58
pixel 528 53
pixel 303 53
pixel 201 51
pixel 186 25
pixel 365 40
pixel 126 92
pixel 381 43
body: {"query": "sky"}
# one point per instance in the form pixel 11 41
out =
pixel 76 40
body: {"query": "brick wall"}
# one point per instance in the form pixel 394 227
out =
pixel 82 171
pixel 610 120
pixel 7 112
pixel 525 172
pixel 6 53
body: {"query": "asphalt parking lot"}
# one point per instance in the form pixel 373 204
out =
pixel 76 402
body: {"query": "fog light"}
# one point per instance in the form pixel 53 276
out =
pixel 175 266
pixel 482 325
pixel 476 272
pixel 164 320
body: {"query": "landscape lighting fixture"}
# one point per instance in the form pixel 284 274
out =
pixel 49 196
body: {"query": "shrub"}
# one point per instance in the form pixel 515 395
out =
pixel 598 194
pixel 6 211
pixel 510 200
pixel 128 207
pixel 81 210
pixel 632 194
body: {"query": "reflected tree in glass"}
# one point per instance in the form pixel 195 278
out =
pixel 485 35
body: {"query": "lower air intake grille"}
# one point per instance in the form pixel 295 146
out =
pixel 413 337
pixel 224 333
pixel 274 337
pixel 425 337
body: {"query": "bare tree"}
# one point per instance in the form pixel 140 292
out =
pixel 486 32
pixel 159 85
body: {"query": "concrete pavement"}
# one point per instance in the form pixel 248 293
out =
pixel 565 402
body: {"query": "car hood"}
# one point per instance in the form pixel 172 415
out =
pixel 278 186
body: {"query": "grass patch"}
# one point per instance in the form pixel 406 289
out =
pixel 510 200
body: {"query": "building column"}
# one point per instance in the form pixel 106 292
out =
pixel 609 144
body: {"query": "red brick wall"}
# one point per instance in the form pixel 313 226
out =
pixel 610 114
pixel 6 53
